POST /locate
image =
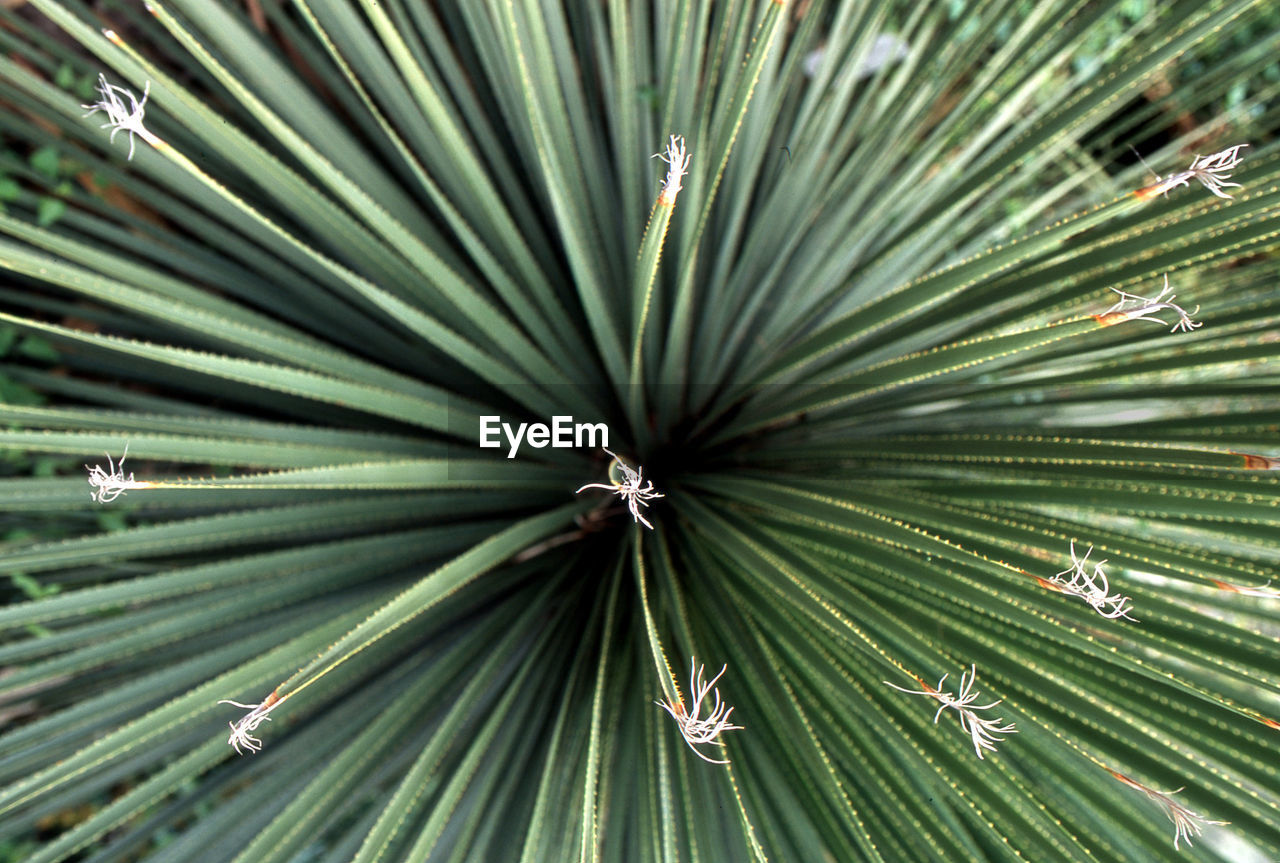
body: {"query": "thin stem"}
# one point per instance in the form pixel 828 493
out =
pixel 646 272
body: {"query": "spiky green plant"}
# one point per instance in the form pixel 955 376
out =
pixel 868 348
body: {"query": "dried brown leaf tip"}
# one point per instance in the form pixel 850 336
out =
pixel 1048 584
pixel 1263 590
pixel 1259 462
pixel 1185 821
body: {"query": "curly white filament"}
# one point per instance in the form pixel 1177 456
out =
pixel 632 489
pixel 981 730
pixel 109 486
pixel 1211 171
pixel 697 731
pixel 242 731
pixel 677 166
pixel 1146 307
pixel 121 116
pixel 1092 587
pixel 1185 821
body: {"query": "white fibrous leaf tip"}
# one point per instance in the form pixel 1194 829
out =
pixel 1132 307
pixel 241 738
pixel 1213 170
pixel 121 116
pixel 984 732
pixel 633 489
pixel 1185 821
pixel 677 166
pixel 109 485
pixel 1092 586
pixel 1210 171
pixel 698 730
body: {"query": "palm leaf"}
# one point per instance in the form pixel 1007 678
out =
pixel 979 519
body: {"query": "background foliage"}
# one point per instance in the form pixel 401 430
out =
pixel 861 354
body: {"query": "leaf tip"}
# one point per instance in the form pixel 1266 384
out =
pixel 1259 462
